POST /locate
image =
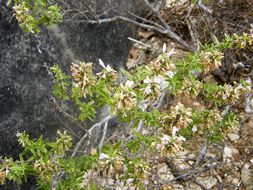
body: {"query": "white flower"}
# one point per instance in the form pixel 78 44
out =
pixel 129 83
pixel 194 129
pixel 146 182
pixel 101 63
pixel 159 147
pixel 109 68
pixel 103 156
pixel 170 74
pixel 161 82
pixel 75 85
pixel 179 106
pixel 181 138
pixel 143 106
pixel 148 90
pixel 165 139
pixel 147 81
pixel 174 130
pixel 164 48
pixel 132 93
pixel 171 52
pixel 130 180
pixel 158 79
pixel 18 134
pixel 224 96
pixel 145 132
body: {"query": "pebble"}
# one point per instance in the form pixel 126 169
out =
pixel 207 182
pixel 247 176
pixel 227 152
pixel 233 137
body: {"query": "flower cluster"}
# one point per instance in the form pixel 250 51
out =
pixel 211 60
pixel 83 76
pixel 45 169
pixel 125 98
pixel 23 138
pixel 63 142
pixel 139 169
pixel 23 15
pixel 3 175
pixel 109 166
pixel 243 41
pixel 238 92
pixel 250 38
pixel 108 72
pixel 210 118
pixel 228 93
pixel 162 65
pixel 5 170
pixel 21 11
pixel 179 117
pixel 154 87
pixel 190 88
pixel 169 145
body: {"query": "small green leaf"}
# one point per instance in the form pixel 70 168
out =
pixel 9 2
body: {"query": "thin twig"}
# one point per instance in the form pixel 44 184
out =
pixel 248 98
pixel 139 42
pixel 146 20
pixel 202 154
pixel 103 137
pixel 204 8
pixel 238 185
pixel 160 101
pixel 140 124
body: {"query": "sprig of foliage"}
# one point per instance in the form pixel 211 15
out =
pixel 32 14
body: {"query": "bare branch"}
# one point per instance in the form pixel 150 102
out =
pixel 164 29
pixel 204 8
pixel 139 42
pixel 159 102
pixel 103 137
pixel 202 154
pixel 168 31
pixel 248 99
pixel 146 20
pixel 106 119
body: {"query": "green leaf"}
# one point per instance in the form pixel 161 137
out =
pixel 9 2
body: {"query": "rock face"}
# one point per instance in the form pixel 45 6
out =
pixel 26 86
pixel 24 83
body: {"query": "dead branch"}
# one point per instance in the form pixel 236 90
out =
pixel 103 137
pixel 162 28
pixel 103 121
pixel 248 99
pixel 204 8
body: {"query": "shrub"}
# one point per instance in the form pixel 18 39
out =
pixel 157 130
